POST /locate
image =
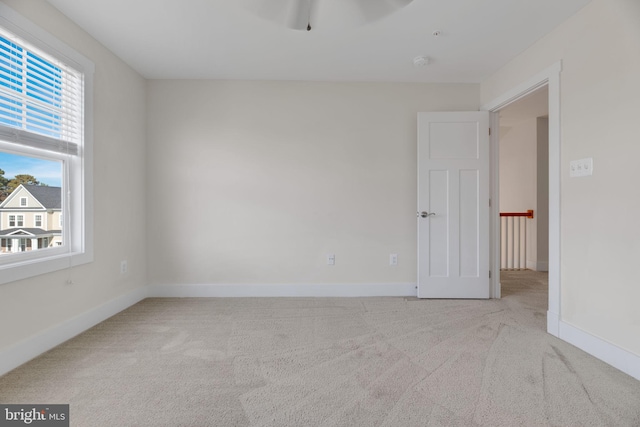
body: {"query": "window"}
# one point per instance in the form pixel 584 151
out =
pixel 16 221
pixel 45 115
pixel 39 95
pixel 43 243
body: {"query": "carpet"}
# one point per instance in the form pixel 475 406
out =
pixel 330 362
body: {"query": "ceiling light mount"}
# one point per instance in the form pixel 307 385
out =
pixel 420 61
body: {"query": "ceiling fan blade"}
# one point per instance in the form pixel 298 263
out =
pixel 375 9
pixel 304 14
pixel 300 14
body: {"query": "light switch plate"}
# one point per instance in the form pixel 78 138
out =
pixel 582 167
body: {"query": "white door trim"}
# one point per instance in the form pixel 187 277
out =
pixel 551 78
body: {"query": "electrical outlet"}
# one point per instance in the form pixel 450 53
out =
pixel 393 259
pixel 124 267
pixel 331 259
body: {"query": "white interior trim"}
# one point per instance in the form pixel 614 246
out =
pixel 35 345
pixel 553 324
pixel 78 234
pixel 542 266
pixel 286 290
pixel 615 356
pixel 525 88
pixel 494 196
pixel 550 77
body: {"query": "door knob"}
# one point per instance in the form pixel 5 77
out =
pixel 425 214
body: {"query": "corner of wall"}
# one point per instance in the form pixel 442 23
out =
pixel 29 348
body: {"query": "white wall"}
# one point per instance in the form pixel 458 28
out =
pixel 265 178
pixel 518 179
pixel 600 231
pixel 29 307
pixel 524 184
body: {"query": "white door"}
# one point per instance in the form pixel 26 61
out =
pixel 453 205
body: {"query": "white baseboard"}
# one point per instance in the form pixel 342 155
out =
pixel 538 266
pixel 553 323
pixel 615 356
pixel 285 290
pixel 34 346
pixel 542 266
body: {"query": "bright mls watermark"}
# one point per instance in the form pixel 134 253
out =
pixel 34 415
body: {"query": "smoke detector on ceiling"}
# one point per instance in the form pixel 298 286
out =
pixel 420 61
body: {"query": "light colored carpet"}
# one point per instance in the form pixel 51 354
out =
pixel 330 362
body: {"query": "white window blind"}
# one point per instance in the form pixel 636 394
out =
pixel 41 98
pixel 46 97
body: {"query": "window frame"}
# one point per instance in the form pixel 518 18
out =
pixel 77 227
pixel 25 199
pixel 36 220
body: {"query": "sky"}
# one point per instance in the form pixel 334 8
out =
pixel 46 171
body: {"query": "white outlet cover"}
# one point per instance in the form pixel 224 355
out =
pixel 582 167
pixel 393 259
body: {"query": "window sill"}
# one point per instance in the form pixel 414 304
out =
pixel 27 268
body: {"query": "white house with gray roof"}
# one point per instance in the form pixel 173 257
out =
pixel 30 219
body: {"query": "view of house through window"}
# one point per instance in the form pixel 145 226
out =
pixel 36 98
pixel 30 203
pixel 45 151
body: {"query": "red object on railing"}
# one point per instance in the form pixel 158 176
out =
pixel 528 214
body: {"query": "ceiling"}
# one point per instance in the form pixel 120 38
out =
pixel 247 39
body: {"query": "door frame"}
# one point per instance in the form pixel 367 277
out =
pixel 549 77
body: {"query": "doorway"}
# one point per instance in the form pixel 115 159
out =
pixel 523 142
pixel 550 78
pixel 524 183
